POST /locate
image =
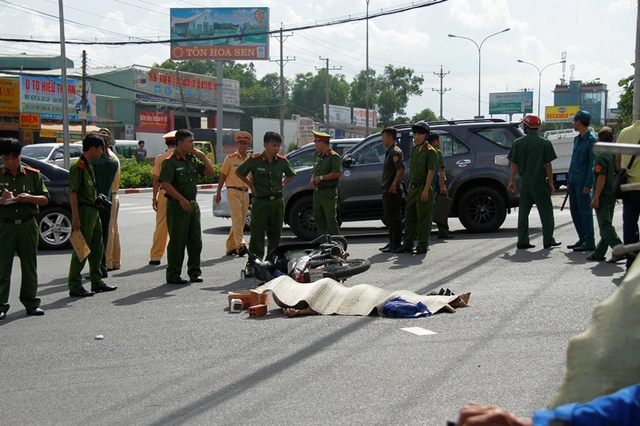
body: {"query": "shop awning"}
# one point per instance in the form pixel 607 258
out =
pixel 51 130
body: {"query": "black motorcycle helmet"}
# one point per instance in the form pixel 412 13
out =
pixel 421 127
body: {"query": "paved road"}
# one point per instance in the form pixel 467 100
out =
pixel 174 355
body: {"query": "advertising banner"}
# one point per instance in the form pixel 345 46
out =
pixel 220 33
pixel 153 119
pixel 160 84
pixel 560 114
pixel 339 115
pixel 511 103
pixel 360 117
pixel 30 121
pixel 9 96
pixel 43 95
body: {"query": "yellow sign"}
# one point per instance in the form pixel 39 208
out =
pixel 48 133
pixel 9 96
pixel 73 137
pixel 560 114
pixel 30 121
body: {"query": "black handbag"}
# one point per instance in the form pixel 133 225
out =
pixel 102 201
pixel 622 177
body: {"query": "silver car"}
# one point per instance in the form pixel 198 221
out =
pixel 52 153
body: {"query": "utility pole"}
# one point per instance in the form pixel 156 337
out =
pixel 443 90
pixel 184 104
pixel 282 62
pixel 328 119
pixel 84 93
pixel 636 76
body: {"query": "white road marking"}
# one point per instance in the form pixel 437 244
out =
pixel 418 331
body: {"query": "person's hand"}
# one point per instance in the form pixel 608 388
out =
pixel 6 195
pixel 185 204
pixel 24 197
pixel 595 203
pixel 75 223
pixel 443 190
pixel 552 188
pixel 477 415
pixel 154 204
pixel 586 191
pixel 218 198
pixel 511 187
pixel 311 183
pixel 252 188
pixel 393 189
pixel 424 197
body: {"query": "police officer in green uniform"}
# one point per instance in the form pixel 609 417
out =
pixel 392 187
pixel 23 191
pixel 179 179
pixel 324 180
pixel 82 197
pixel 417 215
pixel 531 157
pixel 439 183
pixel 604 202
pixel 105 170
pixel 267 211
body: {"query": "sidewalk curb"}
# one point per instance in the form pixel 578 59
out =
pixel 141 190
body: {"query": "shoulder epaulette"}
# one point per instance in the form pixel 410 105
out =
pixel 282 156
pixel 256 156
pixel 235 154
pixel 169 156
pixel 81 164
pixel 31 169
pixel 334 153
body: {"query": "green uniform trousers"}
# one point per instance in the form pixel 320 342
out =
pixel 608 235
pixel 539 195
pixel 392 208
pixel 105 218
pixel 325 203
pixel 184 231
pixel 21 239
pixel 417 217
pixel 267 217
pixel 91 229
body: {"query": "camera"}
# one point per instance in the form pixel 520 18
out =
pixel 102 202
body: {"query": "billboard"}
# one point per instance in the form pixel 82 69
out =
pixel 161 84
pixel 360 118
pixel 511 103
pixel 339 115
pixel 43 95
pixel 9 96
pixel 560 114
pixel 220 33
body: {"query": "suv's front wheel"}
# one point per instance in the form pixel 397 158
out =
pixel 482 209
pixel 301 219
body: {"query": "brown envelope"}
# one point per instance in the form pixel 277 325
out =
pixel 79 245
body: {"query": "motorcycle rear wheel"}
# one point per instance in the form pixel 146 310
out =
pixel 349 268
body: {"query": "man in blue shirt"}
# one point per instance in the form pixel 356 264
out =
pixel 580 181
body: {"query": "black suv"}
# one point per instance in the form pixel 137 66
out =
pixel 475 154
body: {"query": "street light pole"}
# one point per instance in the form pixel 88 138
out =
pixel 540 76
pixel 367 76
pixel 479 47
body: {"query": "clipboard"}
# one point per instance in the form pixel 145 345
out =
pixel 79 245
pixel 441 209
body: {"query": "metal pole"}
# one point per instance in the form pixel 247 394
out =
pixel 220 110
pixel 636 89
pixel 281 86
pixel 366 133
pixel 539 89
pixel 540 71
pixel 65 98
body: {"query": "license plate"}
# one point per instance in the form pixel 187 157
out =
pixel 561 177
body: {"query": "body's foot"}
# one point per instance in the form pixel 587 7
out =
pixel 176 280
pixel 3 315
pixel 419 250
pixel 403 249
pixel 81 292
pixel 446 237
pixel 242 251
pixel 232 253
pixel 595 258
pixel 576 244
pixel 35 311
pixel 390 248
pixel 616 259
pixel 385 248
pixel 248 272
pixel 104 288
pixel 196 279
pixel 154 262
pixel 585 247
pixel 556 244
pixel 525 246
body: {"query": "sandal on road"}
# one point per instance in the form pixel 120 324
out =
pixel 616 259
pixel 596 259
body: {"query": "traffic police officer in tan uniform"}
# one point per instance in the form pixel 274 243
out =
pixel 267 212
pixel 179 179
pixel 159 202
pixel 23 191
pixel 326 172
pixel 237 193
pixel 417 216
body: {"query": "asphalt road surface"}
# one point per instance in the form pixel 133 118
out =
pixel 175 355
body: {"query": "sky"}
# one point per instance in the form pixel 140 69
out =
pixel 597 35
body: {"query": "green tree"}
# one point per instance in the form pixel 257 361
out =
pixel 626 102
pixel 426 114
pixel 308 93
pixel 398 85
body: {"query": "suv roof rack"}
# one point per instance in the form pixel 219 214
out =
pixel 469 120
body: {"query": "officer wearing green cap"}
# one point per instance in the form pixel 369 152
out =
pixel 267 212
pixel 179 179
pixel 84 209
pixel 324 180
pixel 417 216
pixel 23 191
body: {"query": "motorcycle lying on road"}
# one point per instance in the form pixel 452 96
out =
pixel 324 257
